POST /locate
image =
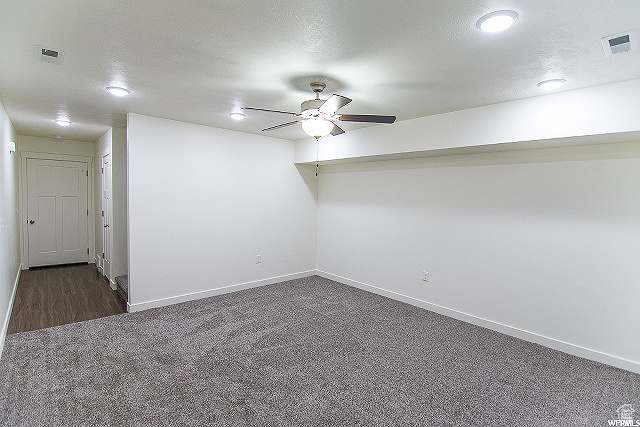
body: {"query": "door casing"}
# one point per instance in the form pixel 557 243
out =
pixel 23 200
pixel 107 230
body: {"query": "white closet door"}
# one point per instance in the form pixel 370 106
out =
pixel 57 212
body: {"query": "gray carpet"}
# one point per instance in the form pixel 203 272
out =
pixel 303 352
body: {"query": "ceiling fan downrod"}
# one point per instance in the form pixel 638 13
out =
pixel 317 87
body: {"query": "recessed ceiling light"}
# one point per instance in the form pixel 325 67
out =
pixel 237 116
pixel 118 91
pixel 551 84
pixel 497 21
pixel 63 122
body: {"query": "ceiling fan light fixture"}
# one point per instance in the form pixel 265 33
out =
pixel 317 115
pixel 551 84
pixel 497 21
pixel 317 127
pixel 237 116
pixel 118 91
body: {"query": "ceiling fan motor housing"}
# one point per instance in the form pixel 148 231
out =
pixel 310 108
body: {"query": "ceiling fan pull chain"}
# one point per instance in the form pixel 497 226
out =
pixel 317 153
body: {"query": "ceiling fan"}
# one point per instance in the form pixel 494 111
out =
pixel 317 115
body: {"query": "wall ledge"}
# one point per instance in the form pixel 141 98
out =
pixel 505 147
pixel 599 114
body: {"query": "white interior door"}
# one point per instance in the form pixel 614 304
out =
pixel 106 216
pixel 57 212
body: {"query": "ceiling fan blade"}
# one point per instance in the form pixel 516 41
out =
pixel 368 118
pixel 337 130
pixel 332 104
pixel 269 111
pixel 282 125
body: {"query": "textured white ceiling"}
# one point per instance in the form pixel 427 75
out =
pixel 198 60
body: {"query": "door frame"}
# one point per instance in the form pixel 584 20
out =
pixel 23 200
pixel 107 235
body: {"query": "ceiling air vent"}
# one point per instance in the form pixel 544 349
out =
pixel 46 54
pixel 620 43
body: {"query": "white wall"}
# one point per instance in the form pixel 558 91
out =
pixel 9 222
pixel 203 202
pixel 120 261
pixel 541 244
pixel 38 144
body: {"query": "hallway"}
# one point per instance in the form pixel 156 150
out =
pixel 57 295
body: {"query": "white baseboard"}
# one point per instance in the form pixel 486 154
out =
pixel 131 308
pixel 5 325
pixel 99 264
pixel 553 343
pixel 113 284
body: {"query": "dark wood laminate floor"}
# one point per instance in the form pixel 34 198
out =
pixel 53 296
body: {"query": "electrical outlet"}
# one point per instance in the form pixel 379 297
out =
pixel 425 276
pixel 258 259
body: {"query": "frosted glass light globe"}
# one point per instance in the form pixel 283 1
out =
pixel 317 127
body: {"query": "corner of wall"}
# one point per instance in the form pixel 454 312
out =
pixel 5 325
pixel 10 267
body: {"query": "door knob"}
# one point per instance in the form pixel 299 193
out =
pixel 31 221
pixel 106 225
